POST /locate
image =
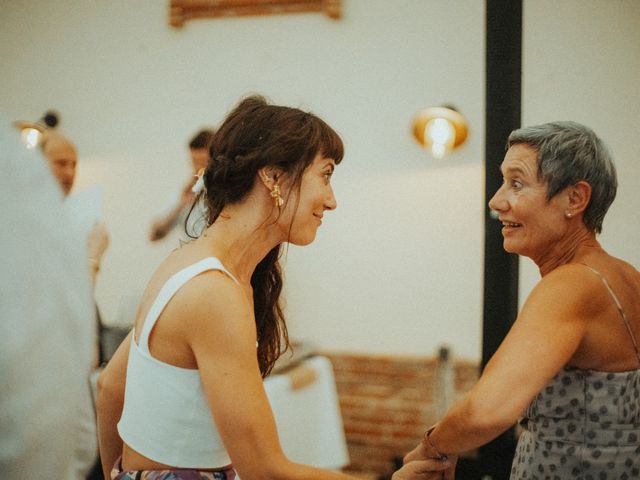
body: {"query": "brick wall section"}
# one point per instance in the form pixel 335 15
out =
pixel 387 402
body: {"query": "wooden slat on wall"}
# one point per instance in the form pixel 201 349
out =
pixel 182 10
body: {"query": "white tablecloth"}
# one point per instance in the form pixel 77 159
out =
pixel 305 404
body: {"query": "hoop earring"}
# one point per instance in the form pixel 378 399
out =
pixel 277 196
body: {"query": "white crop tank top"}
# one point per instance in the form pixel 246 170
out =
pixel 166 416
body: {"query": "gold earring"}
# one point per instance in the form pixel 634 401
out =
pixel 567 214
pixel 276 195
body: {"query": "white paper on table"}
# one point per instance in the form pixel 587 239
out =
pixel 85 207
pixel 309 420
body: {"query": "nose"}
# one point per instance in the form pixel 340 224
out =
pixel 69 172
pixel 330 202
pixel 498 202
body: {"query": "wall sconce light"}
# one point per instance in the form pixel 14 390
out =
pixel 31 132
pixel 440 129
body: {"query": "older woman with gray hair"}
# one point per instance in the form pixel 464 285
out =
pixel 571 361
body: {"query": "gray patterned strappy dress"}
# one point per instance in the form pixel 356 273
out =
pixel 584 425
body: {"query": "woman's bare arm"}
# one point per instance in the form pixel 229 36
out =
pixel 220 329
pixel 543 339
pixel 109 405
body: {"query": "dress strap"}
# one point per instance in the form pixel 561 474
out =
pixel 169 289
pixel 619 307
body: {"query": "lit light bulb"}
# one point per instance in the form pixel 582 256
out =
pixel 439 130
pixel 440 133
pixel 438 150
pixel 30 137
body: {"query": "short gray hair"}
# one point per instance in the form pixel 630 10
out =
pixel 569 152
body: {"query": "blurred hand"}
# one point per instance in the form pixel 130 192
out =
pixel 418 453
pixel 97 241
pixel 187 197
pixel 430 469
pixel 159 230
pixel 161 227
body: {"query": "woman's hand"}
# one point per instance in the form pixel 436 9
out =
pixel 418 453
pixel 419 463
pixel 426 469
pixel 109 405
pixel 97 241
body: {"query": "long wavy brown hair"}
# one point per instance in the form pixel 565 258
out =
pixel 256 135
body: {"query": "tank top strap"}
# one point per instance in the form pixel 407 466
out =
pixel 169 289
pixel 623 315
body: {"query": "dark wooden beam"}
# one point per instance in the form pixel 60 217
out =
pixel 503 103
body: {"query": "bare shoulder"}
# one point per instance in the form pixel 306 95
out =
pixel 207 289
pixel 629 272
pixel 571 277
pixel 574 287
pixel 208 301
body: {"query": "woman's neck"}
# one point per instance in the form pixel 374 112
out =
pixel 241 238
pixel 572 248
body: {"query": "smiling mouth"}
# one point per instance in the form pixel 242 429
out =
pixel 511 225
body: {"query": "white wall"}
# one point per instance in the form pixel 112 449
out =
pixel 398 267
pixel 582 62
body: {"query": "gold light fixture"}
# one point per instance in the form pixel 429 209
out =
pixel 31 132
pixel 440 129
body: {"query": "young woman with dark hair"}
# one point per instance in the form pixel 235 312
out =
pixel 209 326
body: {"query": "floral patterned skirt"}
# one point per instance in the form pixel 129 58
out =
pixel 174 474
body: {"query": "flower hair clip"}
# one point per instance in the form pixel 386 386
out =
pixel 198 187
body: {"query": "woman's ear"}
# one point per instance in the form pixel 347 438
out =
pixel 266 176
pixel 579 197
pixel 269 176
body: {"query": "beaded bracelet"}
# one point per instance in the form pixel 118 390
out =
pixel 427 441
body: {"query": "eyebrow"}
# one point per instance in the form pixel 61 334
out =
pixel 513 170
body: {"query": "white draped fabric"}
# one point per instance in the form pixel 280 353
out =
pixel 47 322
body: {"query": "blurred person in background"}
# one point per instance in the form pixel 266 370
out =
pixel 178 213
pixel 62 157
pixel 47 326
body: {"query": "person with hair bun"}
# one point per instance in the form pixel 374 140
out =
pixel 210 327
